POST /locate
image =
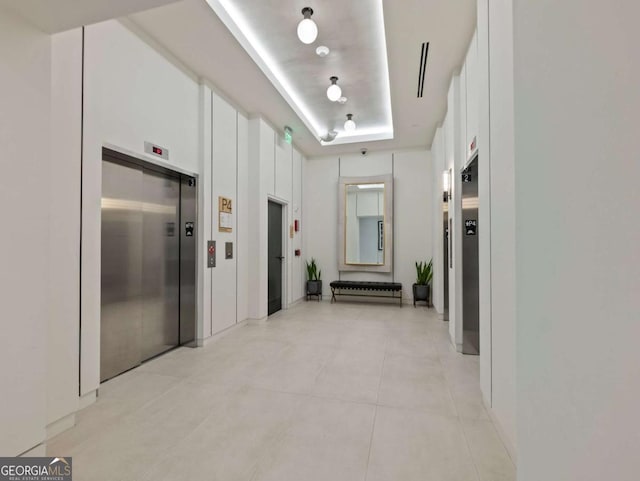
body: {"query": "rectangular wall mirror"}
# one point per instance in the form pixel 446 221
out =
pixel 366 223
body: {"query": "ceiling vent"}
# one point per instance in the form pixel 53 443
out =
pixel 423 68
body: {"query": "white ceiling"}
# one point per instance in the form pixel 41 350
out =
pixel 193 33
pixel 354 31
pixel 60 15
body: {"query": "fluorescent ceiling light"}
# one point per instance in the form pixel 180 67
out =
pixel 370 186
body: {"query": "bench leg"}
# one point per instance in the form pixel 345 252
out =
pixel 333 295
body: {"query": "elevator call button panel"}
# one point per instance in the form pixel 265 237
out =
pixel 211 254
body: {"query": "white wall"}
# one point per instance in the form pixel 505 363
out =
pixel 484 193
pixel 439 260
pixel 480 107
pixel 299 271
pixel 453 161
pixel 134 91
pixel 275 168
pixel 224 183
pixel 64 225
pixel 25 104
pixel 502 218
pixel 132 94
pixel 321 217
pixel 242 220
pixel 412 216
pixel 412 212
pixel 577 238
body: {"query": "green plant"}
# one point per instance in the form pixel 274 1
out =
pixel 313 274
pixel 424 271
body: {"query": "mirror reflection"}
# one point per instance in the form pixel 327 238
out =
pixel 364 224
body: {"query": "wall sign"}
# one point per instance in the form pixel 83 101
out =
pixel 470 226
pixel 467 177
pixel 188 229
pixel 225 215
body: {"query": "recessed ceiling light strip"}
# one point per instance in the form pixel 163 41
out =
pixel 242 31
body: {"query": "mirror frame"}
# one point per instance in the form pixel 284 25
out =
pixel 387 180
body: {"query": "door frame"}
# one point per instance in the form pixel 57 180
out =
pixel 118 155
pixel 285 246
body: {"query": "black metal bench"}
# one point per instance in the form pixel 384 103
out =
pixel 338 286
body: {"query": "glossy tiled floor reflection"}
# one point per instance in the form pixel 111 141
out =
pixel 319 392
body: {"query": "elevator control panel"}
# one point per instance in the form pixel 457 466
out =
pixel 228 250
pixel 188 229
pixel 211 254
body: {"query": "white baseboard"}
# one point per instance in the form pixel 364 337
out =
pixel 88 399
pixel 219 335
pixel 296 302
pixel 38 451
pixel 511 449
pixel 62 424
pixel 256 322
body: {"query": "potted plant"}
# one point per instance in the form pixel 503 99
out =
pixel 422 287
pixel 314 281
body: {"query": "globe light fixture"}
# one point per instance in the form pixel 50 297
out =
pixel 334 92
pixel 349 125
pixel 307 28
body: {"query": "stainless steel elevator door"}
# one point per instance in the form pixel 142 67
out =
pixel 470 264
pixel 121 274
pixel 148 248
pixel 160 263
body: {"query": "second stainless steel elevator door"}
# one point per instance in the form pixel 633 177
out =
pixel 148 263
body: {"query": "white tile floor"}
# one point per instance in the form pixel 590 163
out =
pixel 320 392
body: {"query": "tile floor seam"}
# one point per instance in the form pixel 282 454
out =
pixel 375 414
pixel 473 458
pixel 121 416
pixel 461 424
pixel 373 428
pixel 144 476
pixel 313 395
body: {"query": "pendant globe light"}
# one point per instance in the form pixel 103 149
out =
pixel 334 92
pixel 349 125
pixel 307 28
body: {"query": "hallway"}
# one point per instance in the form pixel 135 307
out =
pixel 319 392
